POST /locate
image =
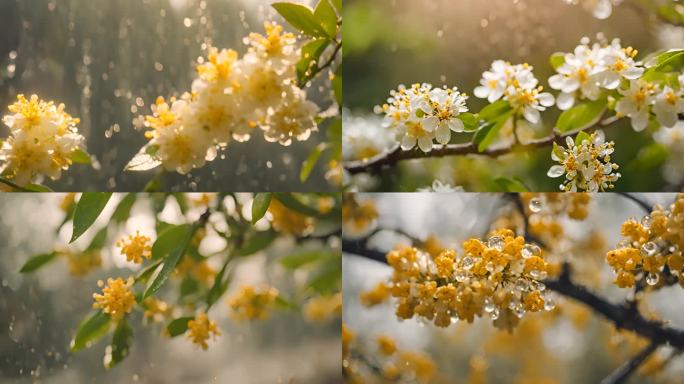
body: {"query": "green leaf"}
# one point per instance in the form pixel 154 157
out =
pixel 470 121
pixel 327 18
pixel 284 303
pixel 182 201
pixel 220 286
pixel 98 240
pixel 582 136
pixel 670 61
pixel 488 133
pixel 292 203
pixel 37 261
pixel 189 285
pixel 121 343
pixel 123 209
pixel 337 85
pixel 297 260
pixel 558 151
pixel 329 276
pixel 260 205
pixel 169 239
pixel 338 5
pixel 311 53
pixel 178 326
pixel 557 59
pixel 144 160
pixel 649 157
pixel 511 185
pixel 310 162
pixel 301 17
pixel 257 242
pixel 79 156
pixel 581 116
pixel 146 272
pixel 88 208
pixel 36 188
pixel 170 262
pixel 494 110
pixel 91 329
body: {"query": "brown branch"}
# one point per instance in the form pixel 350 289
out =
pixel 375 164
pixel 623 372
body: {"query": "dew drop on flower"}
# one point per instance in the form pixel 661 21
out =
pixel 520 312
pixel 537 285
pixel 454 319
pixel 652 279
pixel 530 250
pixel 649 249
pixel 549 305
pixel 460 275
pixel 495 314
pixel 489 306
pixel 468 263
pixel 496 242
pixel 489 267
pixel 646 222
pixel 553 172
pixel 535 204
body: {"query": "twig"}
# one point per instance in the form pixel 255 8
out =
pixel 644 205
pixel 328 63
pixel 375 164
pixel 13 185
pixel 517 201
pixel 623 372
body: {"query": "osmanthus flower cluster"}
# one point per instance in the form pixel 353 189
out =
pixel 500 278
pixel 517 85
pixel 388 361
pixel 586 163
pixel 230 98
pixel 651 249
pixel 358 216
pixel 44 141
pixel 193 261
pixel 422 114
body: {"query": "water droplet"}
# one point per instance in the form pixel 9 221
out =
pixel 460 276
pixel 520 312
pixel 489 306
pixel 489 267
pixel 549 305
pixel 530 250
pixel 454 319
pixel 646 222
pixel 495 314
pixel 535 204
pixel 652 278
pixel 467 263
pixel 537 285
pixel 649 249
pixel 496 242
pixel 555 171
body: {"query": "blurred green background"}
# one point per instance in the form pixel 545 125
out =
pixel 108 60
pixel 451 42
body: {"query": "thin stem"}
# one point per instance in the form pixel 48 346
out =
pixel 326 64
pixel 375 164
pixel 623 372
pixel 13 185
pixel 644 205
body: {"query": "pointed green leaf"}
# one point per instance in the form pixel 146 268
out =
pixel 37 188
pixel 470 121
pixel 256 242
pixel 169 239
pixel 301 17
pixel 337 85
pixel 123 209
pixel 557 59
pixel 310 162
pixel 494 110
pixel 292 203
pixel 121 344
pixel 170 263
pixel 488 133
pixel 178 326
pixel 98 240
pixel 260 205
pixel 79 156
pixel 37 261
pixel 511 185
pixel 93 328
pixel 327 18
pixel 581 116
pixel 582 136
pixel 298 260
pixel 88 208
pixel 311 53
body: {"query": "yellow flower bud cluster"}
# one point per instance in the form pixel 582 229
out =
pixel 136 247
pixel 116 299
pixel 358 217
pixel 545 211
pixel 251 303
pixel 500 278
pixel 201 329
pixel 286 220
pixel 651 248
pixel 321 309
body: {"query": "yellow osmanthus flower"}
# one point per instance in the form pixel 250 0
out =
pixel 136 247
pixel 156 310
pixel 67 202
pixel 81 263
pixel 288 221
pixel 418 364
pixel 201 329
pixel 499 278
pixel 116 299
pixel 321 309
pixel 378 295
pixel 251 303
pixel 358 217
pixel 386 345
pixel 43 138
pixel 651 248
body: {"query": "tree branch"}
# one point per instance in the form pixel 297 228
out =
pixel 623 372
pixel 641 203
pixel 375 164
